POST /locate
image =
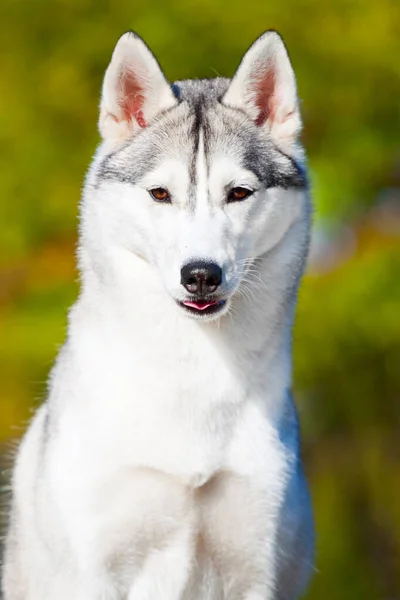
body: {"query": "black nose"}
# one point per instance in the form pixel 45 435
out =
pixel 201 277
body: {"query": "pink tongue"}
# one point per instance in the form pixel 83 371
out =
pixel 199 305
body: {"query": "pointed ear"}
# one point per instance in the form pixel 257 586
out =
pixel 265 87
pixel 134 89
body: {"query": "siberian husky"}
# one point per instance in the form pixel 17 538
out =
pixel 164 464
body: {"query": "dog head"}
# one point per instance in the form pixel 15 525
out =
pixel 198 179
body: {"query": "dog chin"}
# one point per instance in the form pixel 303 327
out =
pixel 204 310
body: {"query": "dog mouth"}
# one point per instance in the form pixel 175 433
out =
pixel 202 306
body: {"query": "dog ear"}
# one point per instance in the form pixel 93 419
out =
pixel 134 89
pixel 264 86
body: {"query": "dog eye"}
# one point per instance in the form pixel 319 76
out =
pixel 239 193
pixel 160 195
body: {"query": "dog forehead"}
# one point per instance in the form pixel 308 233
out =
pixel 183 136
pixel 202 123
pixel 213 146
pixel 225 132
pixel 212 130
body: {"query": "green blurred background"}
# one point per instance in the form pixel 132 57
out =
pixel 347 339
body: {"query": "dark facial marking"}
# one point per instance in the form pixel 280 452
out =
pixel 129 162
pixel 228 129
pixel 195 139
pixel 296 176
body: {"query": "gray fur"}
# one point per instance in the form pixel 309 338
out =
pixel 226 129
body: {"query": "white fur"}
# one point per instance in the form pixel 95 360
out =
pixel 164 464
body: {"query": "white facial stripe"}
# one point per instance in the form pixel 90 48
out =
pixel 201 177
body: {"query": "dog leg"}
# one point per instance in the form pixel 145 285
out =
pixel 165 573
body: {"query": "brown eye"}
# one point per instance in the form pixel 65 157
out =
pixel 160 195
pixel 239 193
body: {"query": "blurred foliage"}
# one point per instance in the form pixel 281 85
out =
pixel 347 337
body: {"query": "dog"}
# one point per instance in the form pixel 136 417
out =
pixel 165 463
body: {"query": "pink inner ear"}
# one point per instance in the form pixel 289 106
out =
pixel 264 90
pixel 132 98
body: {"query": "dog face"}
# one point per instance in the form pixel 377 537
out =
pixel 202 178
